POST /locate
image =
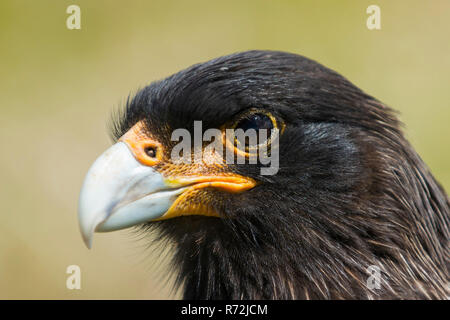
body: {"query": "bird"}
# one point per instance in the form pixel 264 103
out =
pixel 352 211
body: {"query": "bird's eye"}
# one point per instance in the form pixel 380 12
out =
pixel 252 130
pixel 255 121
pixel 151 151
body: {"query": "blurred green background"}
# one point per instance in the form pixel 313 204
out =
pixel 58 87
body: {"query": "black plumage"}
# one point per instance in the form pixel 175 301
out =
pixel 350 193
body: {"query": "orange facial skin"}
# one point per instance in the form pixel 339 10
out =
pixel 196 176
pixel 139 142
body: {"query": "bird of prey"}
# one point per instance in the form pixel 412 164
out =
pixel 351 213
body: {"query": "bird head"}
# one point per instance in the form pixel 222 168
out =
pixel 331 206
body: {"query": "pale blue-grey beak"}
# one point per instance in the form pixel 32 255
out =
pixel 119 192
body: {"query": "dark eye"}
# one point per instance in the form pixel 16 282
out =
pixel 255 121
pixel 151 151
pixel 256 130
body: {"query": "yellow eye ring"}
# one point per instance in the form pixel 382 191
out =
pixel 231 140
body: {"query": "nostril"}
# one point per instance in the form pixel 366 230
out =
pixel 151 151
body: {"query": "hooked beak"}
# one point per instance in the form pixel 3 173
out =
pixel 119 192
